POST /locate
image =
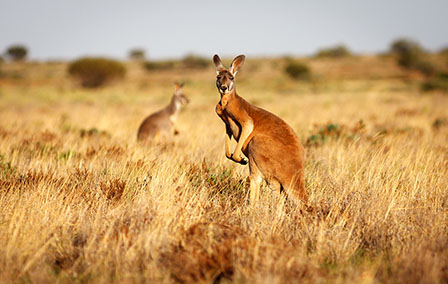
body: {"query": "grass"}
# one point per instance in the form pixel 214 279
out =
pixel 81 201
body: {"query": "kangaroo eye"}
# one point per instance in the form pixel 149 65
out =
pixel 231 78
pixel 218 77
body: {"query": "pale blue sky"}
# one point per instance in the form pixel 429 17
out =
pixel 66 29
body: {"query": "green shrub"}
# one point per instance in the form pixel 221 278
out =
pixel 137 54
pixel 195 62
pixel 336 51
pixel 6 168
pixel 439 123
pixel 159 65
pixel 408 60
pixel 331 130
pixel 334 131
pixel 188 62
pixel 439 83
pixel 298 71
pixel 405 46
pixel 444 51
pixel 93 132
pixel 17 52
pixel 95 72
pixel 410 55
pixel 426 67
pixel 444 55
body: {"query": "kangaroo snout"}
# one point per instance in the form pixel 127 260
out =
pixel 223 87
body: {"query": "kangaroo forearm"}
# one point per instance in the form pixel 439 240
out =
pixel 245 133
pixel 227 145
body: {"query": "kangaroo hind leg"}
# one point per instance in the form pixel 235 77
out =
pixel 255 178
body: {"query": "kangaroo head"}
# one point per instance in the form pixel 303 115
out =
pixel 179 96
pixel 225 80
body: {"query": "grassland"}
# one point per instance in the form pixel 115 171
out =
pixel 81 201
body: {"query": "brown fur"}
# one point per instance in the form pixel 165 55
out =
pixel 273 150
pixel 161 124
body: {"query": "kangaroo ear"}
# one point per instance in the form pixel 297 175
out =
pixel 178 85
pixel 218 63
pixel 236 64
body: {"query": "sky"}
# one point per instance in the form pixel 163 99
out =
pixel 68 29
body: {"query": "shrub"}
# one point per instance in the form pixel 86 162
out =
pixel 408 60
pixel 137 54
pixel 331 130
pixel 410 55
pixel 444 55
pixel 158 65
pixel 426 67
pixel 334 131
pixel 17 52
pixel 95 72
pixel 188 62
pixel 439 83
pixel 1 63
pixel 195 62
pixel 444 51
pixel 405 46
pixel 336 51
pixel 439 123
pixel 298 71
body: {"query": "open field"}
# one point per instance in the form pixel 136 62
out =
pixel 81 201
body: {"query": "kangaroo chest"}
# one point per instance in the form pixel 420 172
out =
pixel 173 118
pixel 231 123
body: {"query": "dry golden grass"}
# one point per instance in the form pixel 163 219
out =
pixel 81 201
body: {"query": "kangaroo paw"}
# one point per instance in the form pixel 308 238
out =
pixel 240 160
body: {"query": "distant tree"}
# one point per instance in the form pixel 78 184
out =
pixel 137 54
pixel 336 51
pixel 159 65
pixel 297 70
pixel 411 55
pixel 436 83
pixel 192 61
pixel 1 63
pixel 17 52
pixel 444 51
pixel 405 46
pixel 96 71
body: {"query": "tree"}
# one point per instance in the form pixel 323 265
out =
pixel 298 70
pixel 335 51
pixel 137 54
pixel 410 55
pixel 17 52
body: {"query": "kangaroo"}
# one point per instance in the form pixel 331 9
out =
pixel 161 124
pixel 272 148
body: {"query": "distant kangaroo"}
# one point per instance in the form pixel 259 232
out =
pixel 273 149
pixel 161 124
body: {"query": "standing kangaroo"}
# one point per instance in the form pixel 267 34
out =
pixel 273 149
pixel 161 124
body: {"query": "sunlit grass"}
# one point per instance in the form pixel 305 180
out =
pixel 82 201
